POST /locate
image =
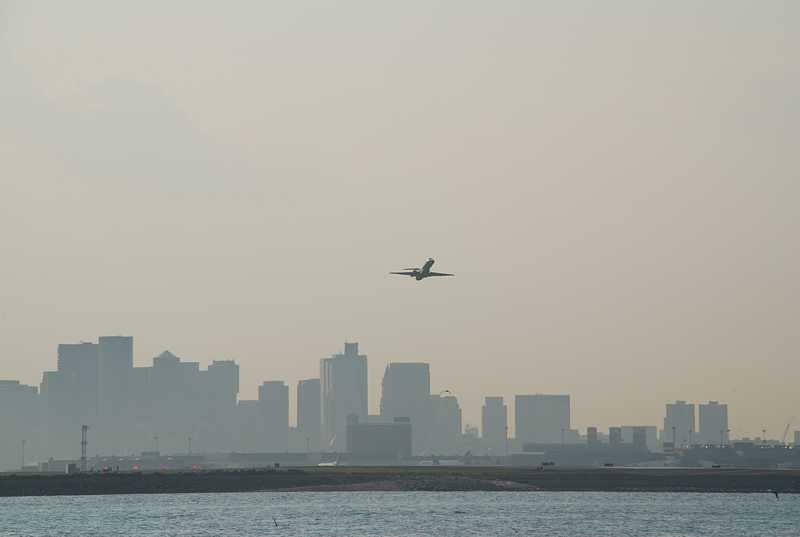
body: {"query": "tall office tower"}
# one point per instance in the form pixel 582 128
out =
pixel 69 397
pixel 679 424
pixel 176 400
pixel 19 423
pixel 221 385
pixel 447 428
pixel 541 419
pixel 115 366
pixel 615 436
pixel 591 436
pixel 309 413
pixel 494 425
pixel 57 420
pixel 273 396
pixel 713 423
pixel 251 436
pixel 80 358
pixel 797 439
pixel 407 394
pixel 79 364
pixel 223 381
pixel 142 408
pixel 343 378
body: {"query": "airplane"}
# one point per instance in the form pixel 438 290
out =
pixel 422 273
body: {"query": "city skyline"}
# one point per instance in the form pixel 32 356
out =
pixel 166 408
pixel 687 418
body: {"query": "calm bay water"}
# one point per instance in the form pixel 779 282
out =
pixel 403 514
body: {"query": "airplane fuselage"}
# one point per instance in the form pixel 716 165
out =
pixel 426 269
pixel 421 273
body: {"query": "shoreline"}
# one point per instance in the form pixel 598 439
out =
pixel 372 479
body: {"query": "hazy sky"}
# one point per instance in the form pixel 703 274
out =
pixel 616 185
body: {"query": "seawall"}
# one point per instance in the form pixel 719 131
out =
pixel 406 479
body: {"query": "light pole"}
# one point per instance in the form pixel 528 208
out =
pixel 190 445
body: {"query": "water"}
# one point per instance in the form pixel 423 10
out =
pixel 353 514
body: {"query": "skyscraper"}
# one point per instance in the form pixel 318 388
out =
pixel 56 393
pixel 115 365
pixel 494 425
pixel 19 421
pixel 541 419
pixel 69 398
pixel 343 378
pixel 79 363
pixel 447 425
pixel 223 381
pixel 273 397
pixel 407 394
pixel 175 400
pixel 221 385
pixel 309 413
pixel 713 423
pixel 80 358
pixel 679 424
pixel 251 436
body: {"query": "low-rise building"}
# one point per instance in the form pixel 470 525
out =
pixel 379 438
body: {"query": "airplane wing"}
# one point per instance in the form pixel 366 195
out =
pixel 404 273
pixel 439 274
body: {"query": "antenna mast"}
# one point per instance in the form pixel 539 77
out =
pixel 84 442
